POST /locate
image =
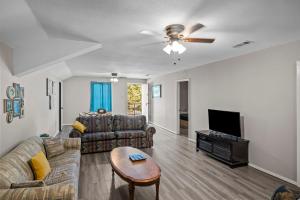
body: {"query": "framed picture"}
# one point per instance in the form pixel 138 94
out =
pixel 50 102
pixel 156 91
pixel 49 87
pixel 17 89
pixel 7 105
pixel 21 113
pixel 22 92
pixel 17 107
pixel 9 117
pixel 53 87
pixel 10 92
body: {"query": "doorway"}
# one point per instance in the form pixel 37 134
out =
pixel 137 95
pixel 298 123
pixel 60 107
pixel 183 107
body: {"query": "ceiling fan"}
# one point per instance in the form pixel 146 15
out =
pixel 177 34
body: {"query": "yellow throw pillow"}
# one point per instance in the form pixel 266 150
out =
pixel 79 126
pixel 40 166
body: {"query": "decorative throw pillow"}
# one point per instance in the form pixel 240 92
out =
pixel 35 183
pixel 54 147
pixel 40 166
pixel 79 126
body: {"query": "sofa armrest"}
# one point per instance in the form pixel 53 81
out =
pixel 150 130
pixel 72 143
pixel 57 191
pixel 75 134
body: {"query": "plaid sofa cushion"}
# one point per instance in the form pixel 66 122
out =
pixel 98 136
pixel 98 123
pixel 71 156
pixel 61 173
pixel 126 122
pixel 130 134
pixel 54 147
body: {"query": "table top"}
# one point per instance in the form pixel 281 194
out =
pixel 139 172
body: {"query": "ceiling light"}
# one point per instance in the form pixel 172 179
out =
pixel 175 47
pixel 114 78
pixel 168 49
pixel 178 47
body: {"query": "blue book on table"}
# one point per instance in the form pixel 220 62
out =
pixel 136 157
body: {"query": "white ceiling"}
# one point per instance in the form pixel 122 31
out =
pixel 46 27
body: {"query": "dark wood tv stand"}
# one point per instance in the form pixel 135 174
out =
pixel 230 150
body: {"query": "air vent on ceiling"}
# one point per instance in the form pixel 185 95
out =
pixel 243 44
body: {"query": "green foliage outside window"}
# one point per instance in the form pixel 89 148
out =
pixel 134 99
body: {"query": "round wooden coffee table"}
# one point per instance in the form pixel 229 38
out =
pixel 137 173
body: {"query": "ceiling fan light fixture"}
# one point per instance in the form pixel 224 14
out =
pixel 175 47
pixel 168 49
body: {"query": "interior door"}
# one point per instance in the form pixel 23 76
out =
pixel 145 102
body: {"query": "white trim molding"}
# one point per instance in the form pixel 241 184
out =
pixel 192 140
pixel 274 174
pixel 162 127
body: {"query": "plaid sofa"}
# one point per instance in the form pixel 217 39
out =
pixel 61 183
pixel 105 132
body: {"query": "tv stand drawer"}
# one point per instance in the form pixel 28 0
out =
pixel 207 146
pixel 222 152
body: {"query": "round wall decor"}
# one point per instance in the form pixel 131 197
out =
pixel 10 92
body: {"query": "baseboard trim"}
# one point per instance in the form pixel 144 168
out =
pixel 162 127
pixel 192 140
pixel 274 174
pixel 56 134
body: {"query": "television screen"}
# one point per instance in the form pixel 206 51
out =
pixel 225 122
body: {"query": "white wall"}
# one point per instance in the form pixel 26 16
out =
pixel 260 85
pixel 38 118
pixel 77 96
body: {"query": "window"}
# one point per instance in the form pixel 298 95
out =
pixel 100 96
pixel 134 92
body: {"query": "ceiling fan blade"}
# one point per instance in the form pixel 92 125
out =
pixel 195 28
pixel 200 40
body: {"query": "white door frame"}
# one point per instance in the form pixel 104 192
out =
pixel 145 100
pixel 298 122
pixel 178 105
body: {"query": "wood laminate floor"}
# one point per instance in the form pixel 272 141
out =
pixel 186 175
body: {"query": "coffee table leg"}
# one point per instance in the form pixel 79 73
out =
pixel 157 189
pixel 131 191
pixel 113 172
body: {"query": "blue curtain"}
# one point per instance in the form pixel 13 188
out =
pixel 100 96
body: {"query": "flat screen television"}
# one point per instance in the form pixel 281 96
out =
pixel 225 122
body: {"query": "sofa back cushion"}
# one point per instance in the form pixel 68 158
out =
pixel 127 122
pixel 14 166
pixel 98 123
